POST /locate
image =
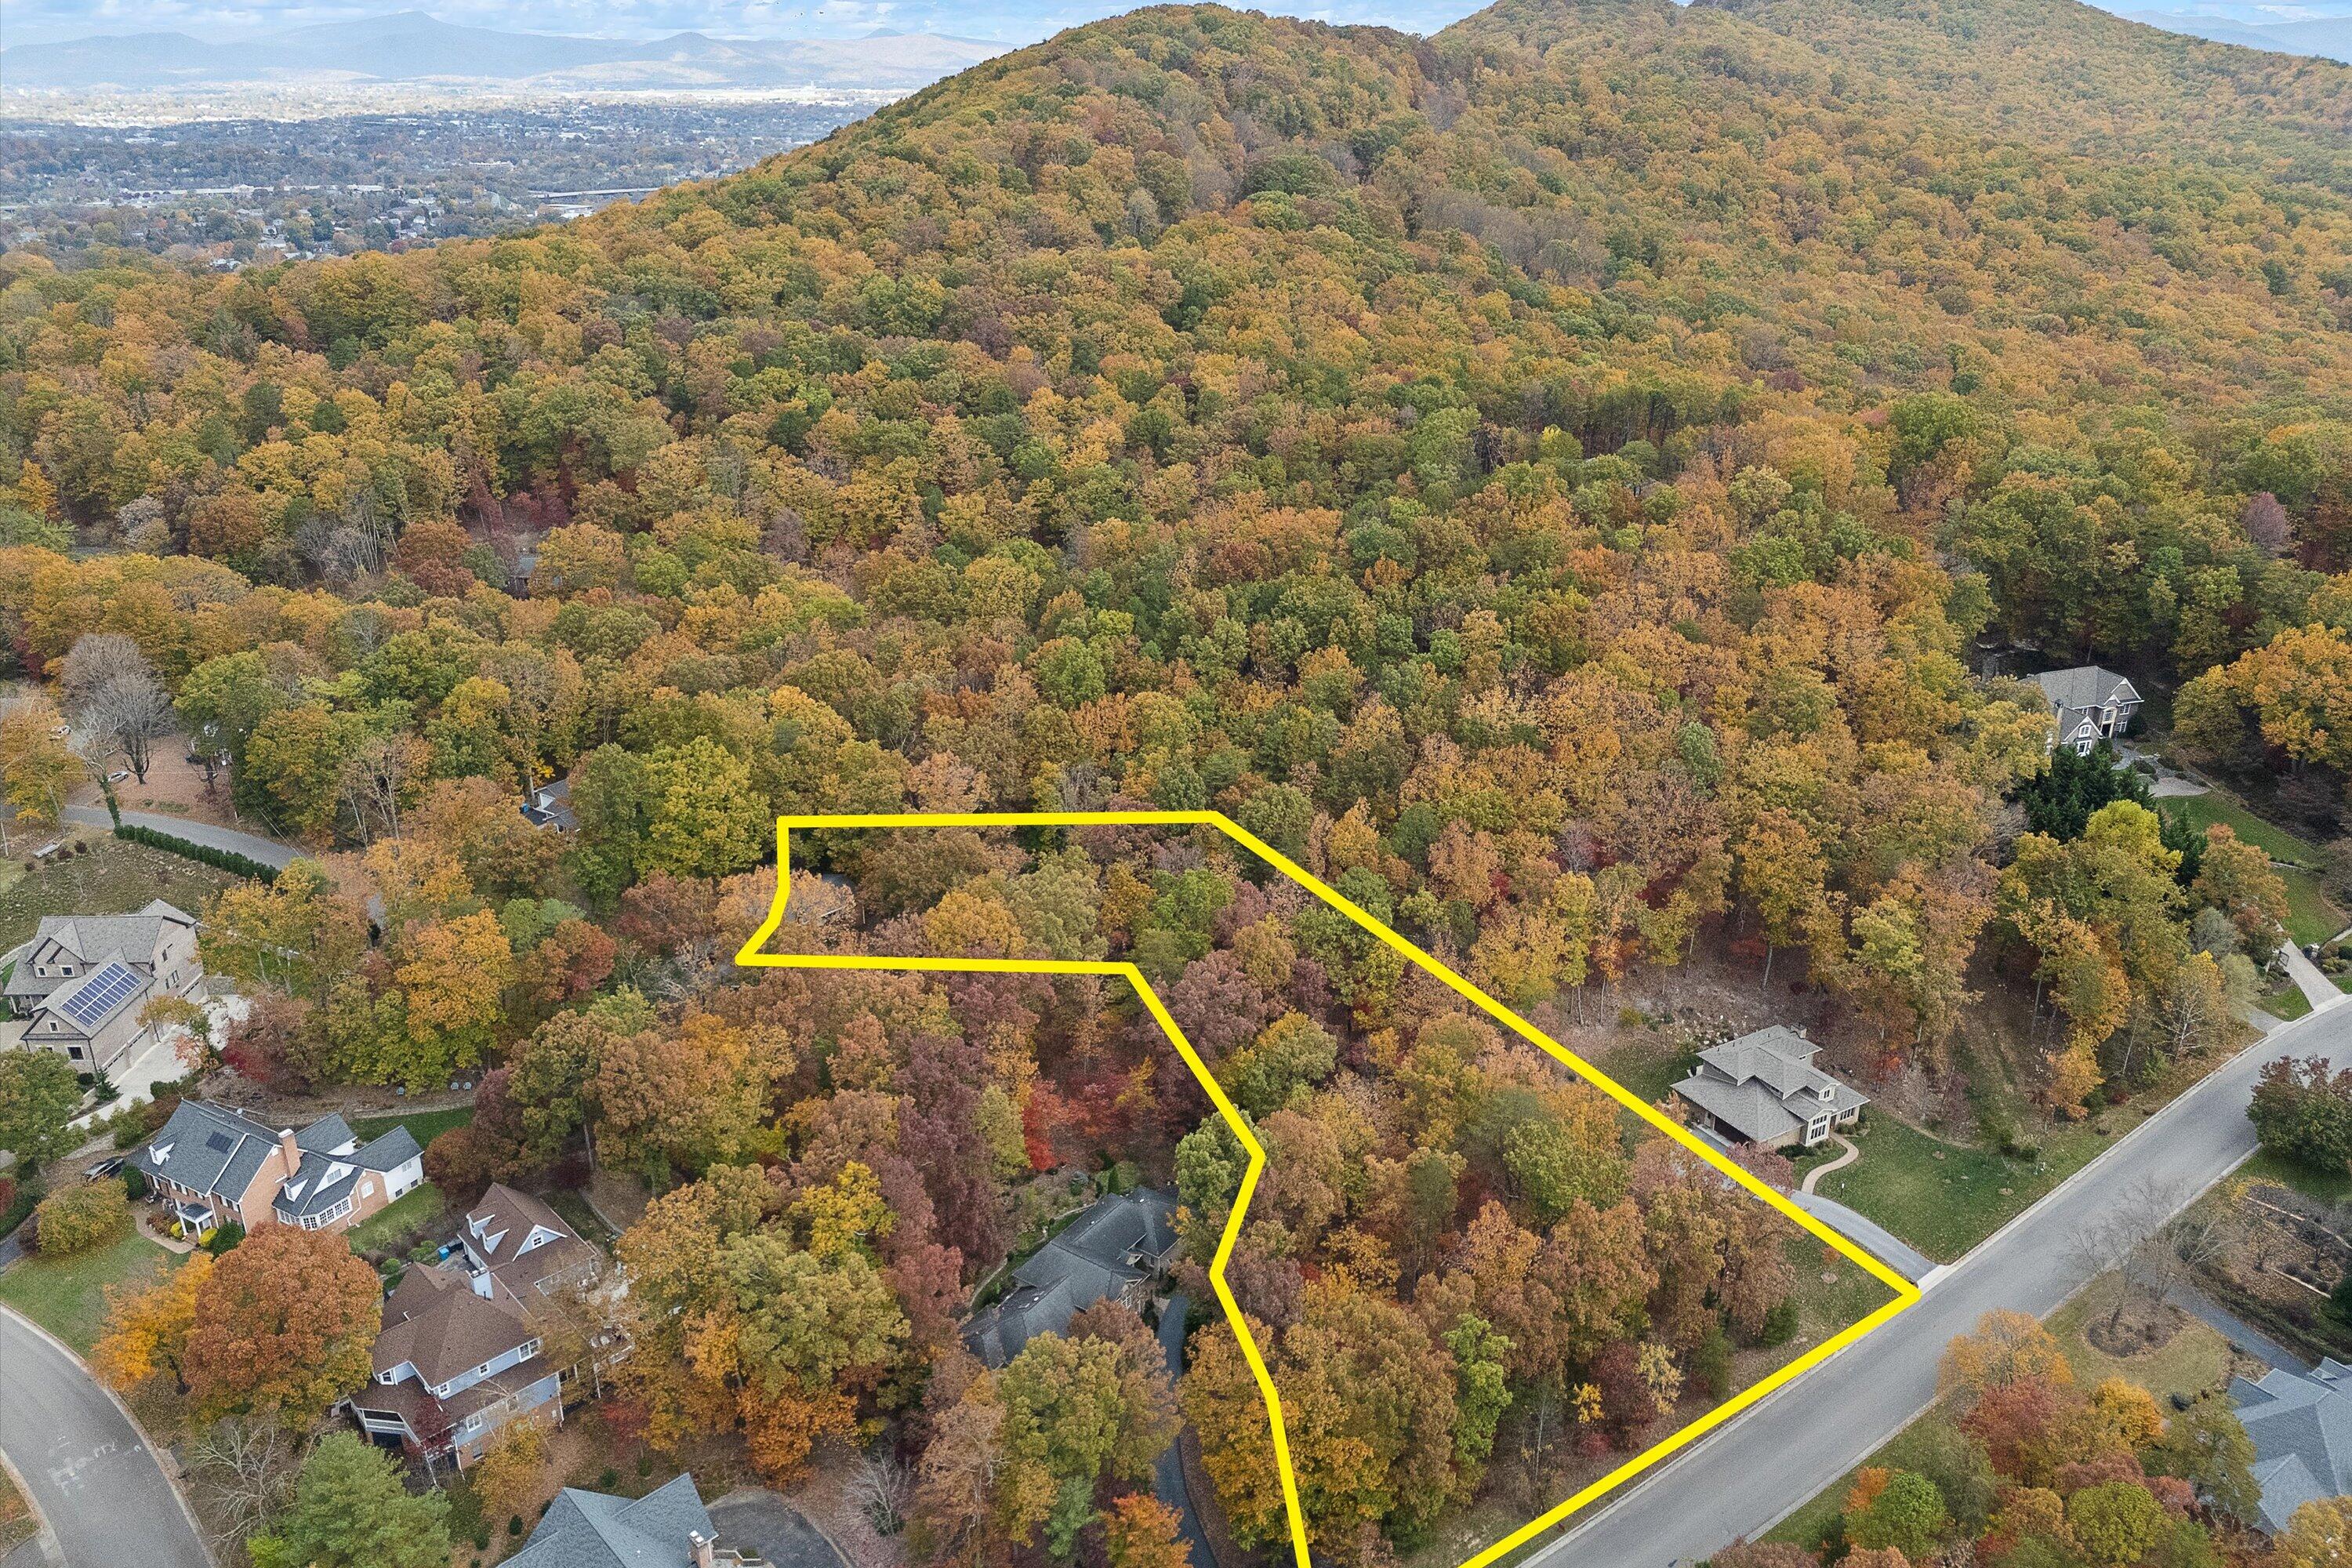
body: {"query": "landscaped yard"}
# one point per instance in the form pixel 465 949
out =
pixel 423 1125
pixel 1942 1198
pixel 395 1229
pixel 67 1296
pixel 2327 1187
pixel 2285 1001
pixel 114 877
pixel 2310 917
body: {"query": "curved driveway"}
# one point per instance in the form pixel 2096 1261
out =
pixel 1758 1469
pixel 91 1476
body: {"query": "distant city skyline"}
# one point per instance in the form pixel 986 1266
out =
pixel 1008 22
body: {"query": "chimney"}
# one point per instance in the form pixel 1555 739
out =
pixel 288 1151
pixel 704 1548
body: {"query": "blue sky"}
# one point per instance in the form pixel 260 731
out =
pixel 1005 21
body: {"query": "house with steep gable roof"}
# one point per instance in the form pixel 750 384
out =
pixel 83 980
pixel 2090 705
pixel 1763 1089
pixel 214 1165
pixel 666 1528
pixel 456 1361
pixel 1118 1249
pixel 525 1245
pixel 2301 1427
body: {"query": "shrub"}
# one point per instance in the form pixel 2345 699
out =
pixel 1779 1324
pixel 225 1239
pixel 82 1218
pixel 205 854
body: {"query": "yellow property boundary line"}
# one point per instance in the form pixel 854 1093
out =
pixel 1907 1294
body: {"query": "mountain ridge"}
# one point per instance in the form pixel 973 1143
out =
pixel 414 46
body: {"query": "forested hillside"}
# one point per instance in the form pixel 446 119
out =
pixel 1547 477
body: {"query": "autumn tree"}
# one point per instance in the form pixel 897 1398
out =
pixel 284 1325
pixel 147 1327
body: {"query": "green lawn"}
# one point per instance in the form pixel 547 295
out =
pixel 67 1296
pixel 1649 1066
pixel 2285 1001
pixel 2310 917
pixel 2327 1187
pixel 1942 1205
pixel 114 877
pixel 423 1125
pixel 395 1228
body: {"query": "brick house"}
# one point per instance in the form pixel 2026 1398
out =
pixel 214 1164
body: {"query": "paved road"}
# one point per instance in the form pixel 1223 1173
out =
pixel 1746 1476
pixel 91 1475
pixel 268 851
pixel 1168 1482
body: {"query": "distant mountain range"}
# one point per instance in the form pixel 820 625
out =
pixel 412 46
pixel 2328 37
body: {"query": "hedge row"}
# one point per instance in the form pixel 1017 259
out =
pixel 223 859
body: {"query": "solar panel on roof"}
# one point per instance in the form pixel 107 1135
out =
pixel 100 995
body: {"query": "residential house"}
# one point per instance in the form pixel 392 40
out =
pixel 84 980
pixel 2302 1427
pixel 550 806
pixel 214 1164
pixel 2091 705
pixel 666 1528
pixel 1763 1089
pixel 524 1244
pixel 458 1359
pixel 460 1356
pixel 1117 1250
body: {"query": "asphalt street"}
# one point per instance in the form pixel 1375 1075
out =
pixel 90 1473
pixel 253 846
pixel 1746 1478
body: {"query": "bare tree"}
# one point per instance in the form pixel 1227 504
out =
pixel 112 694
pixel 243 1471
pixel 377 781
pixel 882 1490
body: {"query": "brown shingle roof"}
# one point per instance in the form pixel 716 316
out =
pixel 437 1323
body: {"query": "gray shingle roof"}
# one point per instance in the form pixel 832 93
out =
pixel 2085 687
pixel 2302 1429
pixel 330 1164
pixel 1765 1084
pixel 208 1147
pixel 93 938
pixel 1116 1241
pixel 219 1149
pixel 593 1530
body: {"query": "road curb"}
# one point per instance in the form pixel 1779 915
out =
pixel 52 1550
pixel 168 1471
